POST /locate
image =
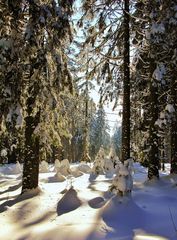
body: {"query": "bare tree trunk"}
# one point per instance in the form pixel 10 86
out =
pixel 31 158
pixel 126 87
pixel 174 127
pixel 31 162
pixel 153 164
pixel 85 156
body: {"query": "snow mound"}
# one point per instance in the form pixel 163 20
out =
pixel 63 167
pixel 17 169
pixel 69 202
pixel 12 169
pixel 28 193
pixel 123 215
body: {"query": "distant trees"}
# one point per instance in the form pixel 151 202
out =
pixel 116 140
pixel 99 132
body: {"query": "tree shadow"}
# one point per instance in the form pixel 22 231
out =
pixel 12 188
pixel 97 202
pixel 9 203
pixel 40 219
pixel 69 202
pixel 8 198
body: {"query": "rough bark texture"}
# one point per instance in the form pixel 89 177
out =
pixel 31 163
pixel 126 88
pixel 37 66
pixel 174 127
pixel 153 164
pixel 85 156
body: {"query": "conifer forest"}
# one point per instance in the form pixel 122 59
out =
pixel 88 119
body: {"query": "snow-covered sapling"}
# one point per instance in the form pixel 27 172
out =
pixel 122 183
pixel 98 164
pixel 64 167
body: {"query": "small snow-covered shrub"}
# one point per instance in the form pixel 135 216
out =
pixel 123 183
pixel 108 166
pixel 98 164
pixel 64 167
pixel 56 165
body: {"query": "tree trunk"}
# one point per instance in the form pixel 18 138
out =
pixel 37 66
pixel 85 155
pixel 126 88
pixel 31 161
pixel 153 116
pixel 174 128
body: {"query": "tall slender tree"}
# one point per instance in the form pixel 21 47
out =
pixel 126 86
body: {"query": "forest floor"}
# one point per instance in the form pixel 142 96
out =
pixel 83 209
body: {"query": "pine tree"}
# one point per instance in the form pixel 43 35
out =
pixel 99 135
pixel 46 76
pixel 116 140
pixel 11 40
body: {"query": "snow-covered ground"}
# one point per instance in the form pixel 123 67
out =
pixel 82 208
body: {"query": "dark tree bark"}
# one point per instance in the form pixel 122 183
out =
pixel 31 163
pixel 85 155
pixel 153 163
pixel 126 87
pixel 37 65
pixel 174 127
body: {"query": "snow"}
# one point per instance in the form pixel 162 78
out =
pixel 157 28
pixel 80 209
pixel 159 72
pixel 15 110
pixel 3 152
pixel 83 167
pixel 169 108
